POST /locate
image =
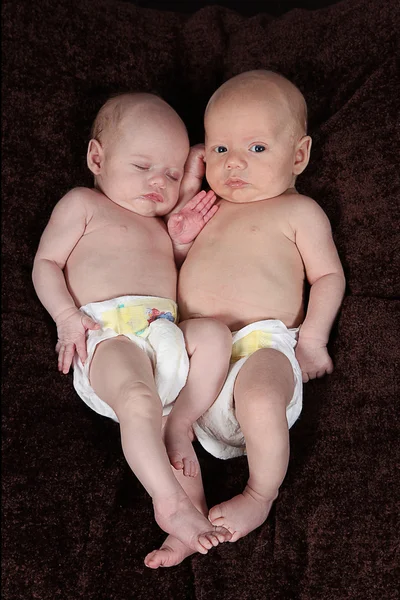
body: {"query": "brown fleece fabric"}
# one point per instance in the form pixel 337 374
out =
pixel 76 522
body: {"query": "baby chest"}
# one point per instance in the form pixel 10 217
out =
pixel 127 231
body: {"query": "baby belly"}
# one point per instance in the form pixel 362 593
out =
pixel 106 283
pixel 238 301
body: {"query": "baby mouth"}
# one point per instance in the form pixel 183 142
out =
pixel 154 196
pixel 235 182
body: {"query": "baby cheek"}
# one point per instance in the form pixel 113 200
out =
pixel 173 196
pixel 212 170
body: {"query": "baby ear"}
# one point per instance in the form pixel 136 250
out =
pixel 95 155
pixel 302 155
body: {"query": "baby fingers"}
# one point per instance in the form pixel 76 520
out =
pixel 321 373
pixel 65 356
pixel 206 203
pixel 210 213
pixel 202 201
pixel 81 351
pixel 196 200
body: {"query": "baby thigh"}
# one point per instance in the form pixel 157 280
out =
pixel 121 374
pixel 263 389
pixel 209 346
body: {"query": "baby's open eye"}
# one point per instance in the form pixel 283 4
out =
pixel 257 148
pixel 220 149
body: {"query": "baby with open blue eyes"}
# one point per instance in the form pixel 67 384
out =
pixel 106 272
pixel 247 269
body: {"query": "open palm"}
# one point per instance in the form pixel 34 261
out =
pixel 185 225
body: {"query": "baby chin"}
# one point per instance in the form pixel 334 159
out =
pixel 150 207
pixel 238 192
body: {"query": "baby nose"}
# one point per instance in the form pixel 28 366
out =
pixel 158 180
pixel 235 161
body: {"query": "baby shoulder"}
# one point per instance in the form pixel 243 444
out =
pixel 306 212
pixel 79 200
pixel 80 195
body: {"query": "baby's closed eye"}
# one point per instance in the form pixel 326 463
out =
pixel 174 176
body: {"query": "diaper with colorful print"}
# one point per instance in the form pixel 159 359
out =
pixel 150 323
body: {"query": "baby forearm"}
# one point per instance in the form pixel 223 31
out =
pixel 51 288
pixel 180 252
pixel 326 295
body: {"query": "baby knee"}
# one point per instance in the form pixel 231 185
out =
pixel 259 398
pixel 207 335
pixel 136 398
pixel 218 333
pixel 215 332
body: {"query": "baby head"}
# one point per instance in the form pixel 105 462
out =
pixel 137 153
pixel 255 137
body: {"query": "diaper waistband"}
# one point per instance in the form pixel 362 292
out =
pixel 262 334
pixel 131 314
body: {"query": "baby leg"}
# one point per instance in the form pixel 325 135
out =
pixel 209 345
pixel 173 551
pixel 122 375
pixel 263 390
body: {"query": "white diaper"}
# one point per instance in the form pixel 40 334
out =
pixel 150 323
pixel 218 430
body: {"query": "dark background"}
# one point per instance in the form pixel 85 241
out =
pixel 75 521
pixel 248 9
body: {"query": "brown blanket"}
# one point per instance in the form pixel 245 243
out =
pixel 77 524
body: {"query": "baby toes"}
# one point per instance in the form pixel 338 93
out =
pixel 176 460
pixel 205 542
pixel 215 514
pixel 223 534
pixel 190 468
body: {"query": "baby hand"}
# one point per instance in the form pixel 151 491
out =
pixel 71 329
pixel 185 225
pixel 313 358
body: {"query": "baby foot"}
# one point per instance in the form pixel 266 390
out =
pixel 171 553
pixel 178 437
pixel 177 516
pixel 242 513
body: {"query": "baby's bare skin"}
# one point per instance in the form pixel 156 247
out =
pixel 245 266
pixel 121 253
pixel 112 241
pixel 250 263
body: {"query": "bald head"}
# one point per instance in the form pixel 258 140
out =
pixel 109 119
pixel 261 85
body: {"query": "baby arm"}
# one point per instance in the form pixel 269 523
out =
pixel 325 275
pixel 194 207
pixel 65 227
pixel 185 226
pixel 192 178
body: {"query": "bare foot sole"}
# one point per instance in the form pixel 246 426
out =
pixel 171 553
pixel 242 514
pixel 178 517
pixel 178 439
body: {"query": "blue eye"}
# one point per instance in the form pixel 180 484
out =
pixel 220 149
pixel 257 148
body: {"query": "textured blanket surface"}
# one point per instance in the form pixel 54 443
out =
pixel 76 522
